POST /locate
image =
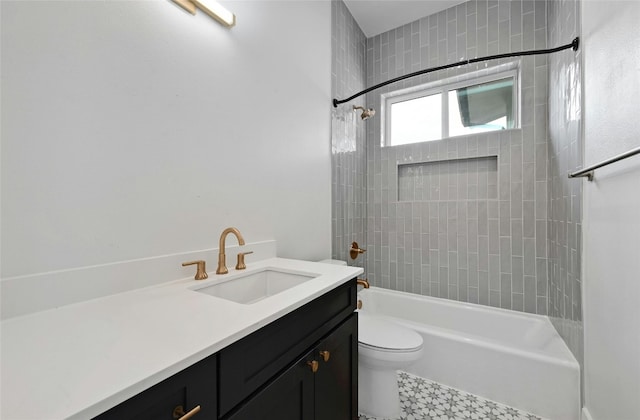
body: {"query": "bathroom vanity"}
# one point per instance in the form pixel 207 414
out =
pixel 178 350
pixel 302 366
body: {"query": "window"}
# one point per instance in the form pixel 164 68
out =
pixel 450 109
pixel 415 120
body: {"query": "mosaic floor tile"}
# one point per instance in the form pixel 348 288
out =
pixel 422 399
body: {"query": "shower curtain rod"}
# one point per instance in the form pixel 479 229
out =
pixel 574 45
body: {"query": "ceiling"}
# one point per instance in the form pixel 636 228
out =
pixel 378 16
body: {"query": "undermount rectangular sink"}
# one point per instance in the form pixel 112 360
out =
pixel 254 287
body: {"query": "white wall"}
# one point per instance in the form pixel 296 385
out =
pixel 611 36
pixel 134 129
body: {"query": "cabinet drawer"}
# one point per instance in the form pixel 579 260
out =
pixel 249 363
pixel 192 387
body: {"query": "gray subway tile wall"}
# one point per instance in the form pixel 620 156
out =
pixel 507 233
pixel 565 195
pixel 348 158
pixel 482 236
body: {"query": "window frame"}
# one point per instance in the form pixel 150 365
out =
pixel 442 87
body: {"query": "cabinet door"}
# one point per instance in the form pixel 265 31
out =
pixel 336 381
pixel 288 397
pixel 193 387
pixel 248 364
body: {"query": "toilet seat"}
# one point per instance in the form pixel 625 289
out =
pixel 378 334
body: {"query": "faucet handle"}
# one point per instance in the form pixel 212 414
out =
pixel 355 250
pixel 241 265
pixel 201 272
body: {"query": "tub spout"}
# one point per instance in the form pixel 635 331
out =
pixel 363 282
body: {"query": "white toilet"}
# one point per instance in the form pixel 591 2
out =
pixel 383 348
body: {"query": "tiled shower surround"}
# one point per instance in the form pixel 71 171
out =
pixel 348 159
pixel 461 245
pixel 565 155
pixel 489 218
pixel 512 243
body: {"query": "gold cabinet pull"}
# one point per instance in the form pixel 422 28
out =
pixel 314 365
pixel 178 412
pixel 325 355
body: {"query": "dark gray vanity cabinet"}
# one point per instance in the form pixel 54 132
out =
pixel 336 380
pixel 252 362
pixel 321 385
pixel 302 366
pixel 290 396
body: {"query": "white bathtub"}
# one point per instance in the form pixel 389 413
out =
pixel 510 357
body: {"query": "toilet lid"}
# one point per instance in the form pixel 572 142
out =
pixel 377 332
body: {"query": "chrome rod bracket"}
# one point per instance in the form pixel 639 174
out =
pixel 588 175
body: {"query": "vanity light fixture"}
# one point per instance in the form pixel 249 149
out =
pixel 210 7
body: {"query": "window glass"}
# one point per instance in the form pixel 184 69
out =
pixel 451 107
pixel 416 120
pixel 483 107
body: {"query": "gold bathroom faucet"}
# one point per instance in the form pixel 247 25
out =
pixel 222 263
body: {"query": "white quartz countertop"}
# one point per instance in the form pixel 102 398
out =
pixel 79 360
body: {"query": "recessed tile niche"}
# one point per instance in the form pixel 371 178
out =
pixel 453 179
